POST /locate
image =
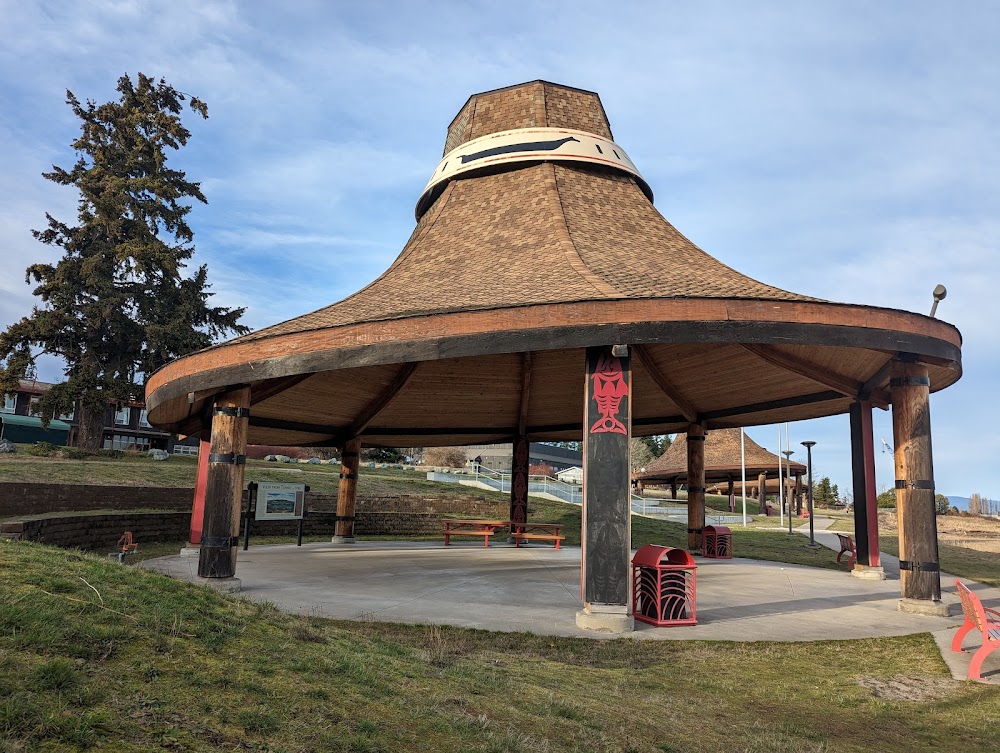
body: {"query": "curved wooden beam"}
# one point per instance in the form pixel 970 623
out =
pixel 845 385
pixel 666 386
pixel 522 418
pixel 376 406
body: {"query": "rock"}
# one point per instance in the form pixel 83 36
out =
pixel 7 447
pixel 314 461
pixel 270 458
pixel 159 455
pixel 283 458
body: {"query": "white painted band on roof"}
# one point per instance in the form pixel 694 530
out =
pixel 529 145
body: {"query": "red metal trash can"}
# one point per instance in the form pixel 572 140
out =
pixel 718 543
pixel 663 586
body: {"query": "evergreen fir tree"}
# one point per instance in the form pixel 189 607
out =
pixel 117 305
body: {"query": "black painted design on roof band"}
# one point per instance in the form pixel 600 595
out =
pixel 531 146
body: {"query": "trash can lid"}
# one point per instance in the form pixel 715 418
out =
pixel 717 529
pixel 652 555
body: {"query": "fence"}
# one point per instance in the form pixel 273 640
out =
pixel 571 493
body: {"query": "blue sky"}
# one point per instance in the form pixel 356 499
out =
pixel 843 149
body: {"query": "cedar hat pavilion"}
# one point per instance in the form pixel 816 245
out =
pixel 540 297
pixel 723 451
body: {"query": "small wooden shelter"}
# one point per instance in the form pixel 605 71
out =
pixel 541 296
pixel 723 466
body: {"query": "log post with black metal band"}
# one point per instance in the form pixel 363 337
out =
pixel 919 568
pixel 696 485
pixel 224 487
pixel 347 492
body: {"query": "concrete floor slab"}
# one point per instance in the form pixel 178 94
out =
pixel 537 589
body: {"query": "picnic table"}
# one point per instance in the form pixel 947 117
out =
pixel 537 532
pixel 459 527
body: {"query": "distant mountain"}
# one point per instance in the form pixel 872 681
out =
pixel 962 503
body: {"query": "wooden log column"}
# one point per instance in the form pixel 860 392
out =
pixel 606 491
pixel 920 576
pixel 696 485
pixel 224 484
pixel 798 494
pixel 673 488
pixel 762 493
pixel 200 485
pixel 863 471
pixel 347 492
pixel 520 458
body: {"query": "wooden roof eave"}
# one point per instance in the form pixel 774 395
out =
pixel 174 392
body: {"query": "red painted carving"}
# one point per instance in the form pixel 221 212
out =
pixel 521 455
pixel 609 389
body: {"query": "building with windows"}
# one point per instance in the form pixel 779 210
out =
pixel 125 425
pixel 498 457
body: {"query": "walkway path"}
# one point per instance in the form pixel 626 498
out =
pixel 958 663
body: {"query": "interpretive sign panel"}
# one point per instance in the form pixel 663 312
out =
pixel 277 501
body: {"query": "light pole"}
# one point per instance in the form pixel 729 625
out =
pixel 809 472
pixel 788 499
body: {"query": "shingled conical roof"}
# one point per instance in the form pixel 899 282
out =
pixel 537 235
pixel 722 460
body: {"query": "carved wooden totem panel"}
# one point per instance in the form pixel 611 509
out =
pixel 606 522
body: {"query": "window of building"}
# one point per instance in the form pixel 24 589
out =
pixel 9 402
pixel 143 421
pixel 122 417
pixel 125 442
pixel 67 416
pixel 33 409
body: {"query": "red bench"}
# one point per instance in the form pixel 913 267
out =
pixel 847 545
pixel 485 528
pixel 536 532
pixel 977 617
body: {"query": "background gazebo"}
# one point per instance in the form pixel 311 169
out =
pixel 541 296
pixel 723 466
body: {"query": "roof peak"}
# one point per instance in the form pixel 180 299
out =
pixel 533 104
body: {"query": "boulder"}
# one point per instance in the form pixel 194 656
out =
pixel 7 447
pixel 314 461
pixel 283 458
pixel 270 458
pixel 159 455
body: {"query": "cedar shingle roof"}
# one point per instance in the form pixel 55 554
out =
pixel 722 458
pixel 512 270
pixel 547 233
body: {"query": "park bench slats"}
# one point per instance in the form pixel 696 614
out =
pixel 983 619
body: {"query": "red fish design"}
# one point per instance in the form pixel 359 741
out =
pixel 609 389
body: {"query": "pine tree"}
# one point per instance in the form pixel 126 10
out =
pixel 117 305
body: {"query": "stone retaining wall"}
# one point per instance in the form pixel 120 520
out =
pixel 37 499
pixel 102 531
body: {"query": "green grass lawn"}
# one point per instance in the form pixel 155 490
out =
pixel 179 470
pixel 103 657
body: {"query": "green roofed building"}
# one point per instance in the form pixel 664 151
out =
pixel 29 429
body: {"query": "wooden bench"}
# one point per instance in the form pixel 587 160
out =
pixel 977 617
pixel 485 528
pixel 847 545
pixel 537 532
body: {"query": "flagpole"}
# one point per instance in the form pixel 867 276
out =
pixel 743 466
